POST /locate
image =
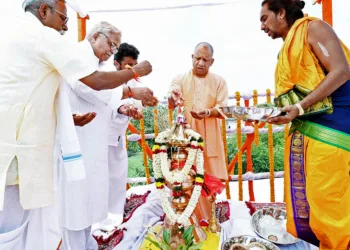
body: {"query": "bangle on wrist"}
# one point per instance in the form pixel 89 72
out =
pixel 300 108
pixel 136 76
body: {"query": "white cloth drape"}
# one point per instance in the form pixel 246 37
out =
pixel 85 202
pixel 27 229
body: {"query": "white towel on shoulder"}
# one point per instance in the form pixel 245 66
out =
pixel 70 148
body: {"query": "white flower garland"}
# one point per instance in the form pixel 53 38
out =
pixel 161 171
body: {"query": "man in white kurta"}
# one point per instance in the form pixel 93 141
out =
pixel 33 60
pixel 117 152
pixel 85 202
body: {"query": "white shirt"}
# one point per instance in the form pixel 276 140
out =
pixel 31 66
pixel 85 202
pixel 119 122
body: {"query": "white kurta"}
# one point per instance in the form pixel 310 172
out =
pixel 85 202
pixel 118 157
pixel 32 63
pixel 30 67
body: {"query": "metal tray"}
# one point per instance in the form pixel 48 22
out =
pixel 270 224
pixel 250 113
pixel 245 240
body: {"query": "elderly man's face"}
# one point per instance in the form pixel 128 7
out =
pixel 105 45
pixel 201 61
pixel 55 16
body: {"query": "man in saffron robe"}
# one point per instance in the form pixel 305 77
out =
pixel 201 93
pixel 312 81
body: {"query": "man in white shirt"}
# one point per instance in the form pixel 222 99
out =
pixel 117 152
pixel 86 202
pixel 32 62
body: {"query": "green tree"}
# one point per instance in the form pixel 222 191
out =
pixel 260 153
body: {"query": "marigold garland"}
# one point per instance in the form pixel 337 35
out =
pixel 239 145
pixel 161 172
pixel 271 156
pixel 155 112
pixel 224 139
pixel 126 140
pixel 143 145
pixel 256 125
pixel 170 110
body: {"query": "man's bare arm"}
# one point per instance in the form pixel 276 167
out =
pixel 107 80
pixel 327 48
pixel 110 80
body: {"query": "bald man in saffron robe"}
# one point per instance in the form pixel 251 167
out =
pixel 201 93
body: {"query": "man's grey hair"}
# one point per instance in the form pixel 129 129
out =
pixel 103 27
pixel 35 4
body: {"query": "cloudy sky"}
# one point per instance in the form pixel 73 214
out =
pixel 244 55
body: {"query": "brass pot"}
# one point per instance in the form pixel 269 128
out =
pixel 181 202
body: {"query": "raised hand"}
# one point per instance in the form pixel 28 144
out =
pixel 292 111
pixel 145 95
pixel 176 98
pixel 142 69
pixel 152 103
pixel 131 111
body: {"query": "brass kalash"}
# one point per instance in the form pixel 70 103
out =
pixel 178 147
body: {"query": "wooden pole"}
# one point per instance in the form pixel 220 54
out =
pixel 327 11
pixel 82 27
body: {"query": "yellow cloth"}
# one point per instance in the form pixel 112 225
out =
pixel 212 242
pixel 326 167
pixel 327 191
pixel 204 93
pixel 297 64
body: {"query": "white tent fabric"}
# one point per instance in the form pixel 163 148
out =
pixel 166 33
pixel 78 7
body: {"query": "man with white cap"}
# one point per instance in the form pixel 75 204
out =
pixel 33 60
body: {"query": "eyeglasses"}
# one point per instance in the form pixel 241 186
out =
pixel 111 44
pixel 63 17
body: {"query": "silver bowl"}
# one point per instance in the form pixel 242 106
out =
pixel 245 240
pixel 270 224
pixel 250 113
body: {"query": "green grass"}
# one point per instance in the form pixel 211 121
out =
pixel 136 168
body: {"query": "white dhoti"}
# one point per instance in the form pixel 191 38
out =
pixel 76 240
pixel 118 156
pixel 118 174
pixel 27 229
